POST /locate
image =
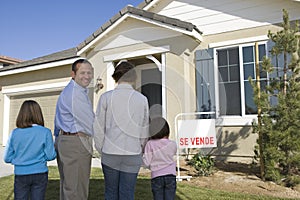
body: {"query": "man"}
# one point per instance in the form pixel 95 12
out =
pixel 73 130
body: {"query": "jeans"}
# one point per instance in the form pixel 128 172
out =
pixel 164 187
pixel 31 185
pixel 118 184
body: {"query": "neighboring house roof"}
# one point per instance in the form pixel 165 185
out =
pixel 61 55
pixel 9 60
pixel 172 22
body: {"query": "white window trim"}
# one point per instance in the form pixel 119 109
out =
pixel 243 120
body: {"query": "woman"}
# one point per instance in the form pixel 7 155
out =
pixel 120 133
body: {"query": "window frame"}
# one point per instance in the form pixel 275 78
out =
pixel 243 119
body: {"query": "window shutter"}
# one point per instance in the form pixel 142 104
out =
pixel 205 84
pixel 278 63
pixel 275 73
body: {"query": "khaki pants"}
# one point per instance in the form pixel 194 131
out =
pixel 74 165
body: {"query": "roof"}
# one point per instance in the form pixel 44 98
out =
pixel 142 13
pixel 144 3
pixel 61 55
pixel 73 52
pixel 9 60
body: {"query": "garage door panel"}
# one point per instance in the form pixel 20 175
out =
pixel 47 102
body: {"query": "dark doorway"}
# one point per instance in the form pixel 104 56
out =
pixel 152 89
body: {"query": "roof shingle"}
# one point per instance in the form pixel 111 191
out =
pixel 61 55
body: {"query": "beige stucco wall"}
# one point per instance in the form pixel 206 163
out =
pixel 236 35
pixel 181 97
pixel 30 79
pixel 34 77
pixel 235 144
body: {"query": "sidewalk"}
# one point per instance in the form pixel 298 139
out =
pixel 8 169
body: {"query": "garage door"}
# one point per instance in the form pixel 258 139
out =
pixel 47 102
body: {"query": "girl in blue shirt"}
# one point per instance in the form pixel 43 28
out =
pixel 29 148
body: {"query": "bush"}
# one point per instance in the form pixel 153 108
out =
pixel 292 181
pixel 203 164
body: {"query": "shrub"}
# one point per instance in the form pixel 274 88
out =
pixel 203 164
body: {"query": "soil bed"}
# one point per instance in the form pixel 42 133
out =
pixel 237 177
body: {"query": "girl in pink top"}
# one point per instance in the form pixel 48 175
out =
pixel 159 157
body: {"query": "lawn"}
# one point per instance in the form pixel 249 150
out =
pixel 143 189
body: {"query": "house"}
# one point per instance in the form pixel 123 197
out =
pixel 190 55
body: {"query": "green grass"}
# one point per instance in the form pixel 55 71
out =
pixel 143 189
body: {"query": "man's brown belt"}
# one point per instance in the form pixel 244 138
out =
pixel 79 134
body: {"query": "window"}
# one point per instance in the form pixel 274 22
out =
pixel 235 66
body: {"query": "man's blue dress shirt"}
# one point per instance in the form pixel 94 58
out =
pixel 74 111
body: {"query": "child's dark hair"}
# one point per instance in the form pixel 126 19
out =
pixel 30 113
pixel 159 128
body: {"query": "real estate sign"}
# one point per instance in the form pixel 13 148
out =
pixel 197 133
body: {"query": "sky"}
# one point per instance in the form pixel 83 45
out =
pixel 34 28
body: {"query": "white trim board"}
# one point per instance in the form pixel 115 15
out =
pixel 132 54
pixel 35 88
pixel 38 67
pixel 238 41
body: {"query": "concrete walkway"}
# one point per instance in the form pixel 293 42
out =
pixel 5 168
pixel 8 169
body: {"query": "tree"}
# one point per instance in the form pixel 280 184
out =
pixel 278 124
